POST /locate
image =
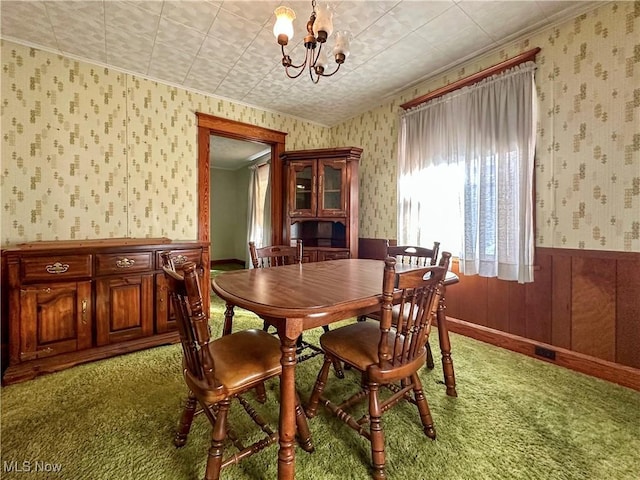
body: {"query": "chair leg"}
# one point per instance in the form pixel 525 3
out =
pixel 304 434
pixel 185 421
pixel 423 408
pixel 318 388
pixel 430 364
pixel 445 349
pixel 337 366
pixel 261 393
pixel 377 435
pixel 218 434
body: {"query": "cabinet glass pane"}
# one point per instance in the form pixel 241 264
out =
pixel 303 188
pixel 332 187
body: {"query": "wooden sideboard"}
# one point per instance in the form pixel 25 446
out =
pixel 71 302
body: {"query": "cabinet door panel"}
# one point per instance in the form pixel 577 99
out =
pixel 302 189
pixel 332 192
pixel 55 318
pixel 124 308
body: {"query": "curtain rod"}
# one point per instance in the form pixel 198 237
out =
pixel 476 77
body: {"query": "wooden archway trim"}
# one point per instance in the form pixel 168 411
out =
pixel 210 125
pixel 475 78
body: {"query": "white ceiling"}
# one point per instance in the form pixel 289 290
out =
pixel 231 154
pixel 227 48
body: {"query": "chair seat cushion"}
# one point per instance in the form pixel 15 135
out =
pixel 245 358
pixel 356 344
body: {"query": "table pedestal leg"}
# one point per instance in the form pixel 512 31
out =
pixel 445 348
pixel 287 423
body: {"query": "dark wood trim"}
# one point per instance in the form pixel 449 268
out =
pixel 210 125
pixel 610 371
pixel 475 78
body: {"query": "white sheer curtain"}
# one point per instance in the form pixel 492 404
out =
pixel 465 174
pixel 259 228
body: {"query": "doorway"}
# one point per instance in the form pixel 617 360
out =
pixel 239 184
pixel 209 125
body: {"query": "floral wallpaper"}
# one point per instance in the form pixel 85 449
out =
pixel 89 152
pixel 588 148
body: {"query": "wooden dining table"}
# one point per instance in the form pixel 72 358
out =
pixel 294 298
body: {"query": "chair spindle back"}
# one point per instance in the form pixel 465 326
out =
pixel 415 256
pixel 193 324
pixel 416 293
pixel 275 255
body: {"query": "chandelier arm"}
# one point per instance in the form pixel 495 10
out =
pixel 332 73
pixel 317 56
pixel 291 65
pixel 300 72
pixel 311 72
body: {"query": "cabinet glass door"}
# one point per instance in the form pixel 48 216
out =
pixel 332 188
pixel 303 190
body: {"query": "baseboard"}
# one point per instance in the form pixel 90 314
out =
pixel 605 370
pixel 227 261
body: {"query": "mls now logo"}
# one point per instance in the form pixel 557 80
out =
pixel 29 466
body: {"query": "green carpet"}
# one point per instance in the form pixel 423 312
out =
pixel 515 418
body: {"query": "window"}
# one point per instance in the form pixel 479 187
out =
pixel 465 164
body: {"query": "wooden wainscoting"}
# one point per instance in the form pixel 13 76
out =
pixel 581 312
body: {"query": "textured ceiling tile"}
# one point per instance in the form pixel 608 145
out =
pixel 37 30
pixel 136 21
pixel 260 12
pixel 180 38
pixel 152 6
pixel 207 81
pixel 415 14
pixel 469 37
pixel 232 28
pixel 219 52
pixel 121 54
pixel 170 62
pixel 197 15
pixel 502 19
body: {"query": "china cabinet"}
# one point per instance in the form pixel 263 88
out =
pixel 321 198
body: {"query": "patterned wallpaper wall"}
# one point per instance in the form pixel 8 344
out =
pixel 89 152
pixel 588 154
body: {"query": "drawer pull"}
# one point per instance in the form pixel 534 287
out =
pixel 125 263
pixel 180 259
pixel 57 268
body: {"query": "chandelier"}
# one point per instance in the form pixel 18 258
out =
pixel 319 28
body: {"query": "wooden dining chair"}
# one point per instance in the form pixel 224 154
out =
pixel 218 371
pixel 417 257
pixel 387 354
pixel 277 255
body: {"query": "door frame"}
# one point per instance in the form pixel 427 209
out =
pixel 210 125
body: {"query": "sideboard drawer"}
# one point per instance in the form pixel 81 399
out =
pixel 180 257
pixel 117 263
pixel 50 268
